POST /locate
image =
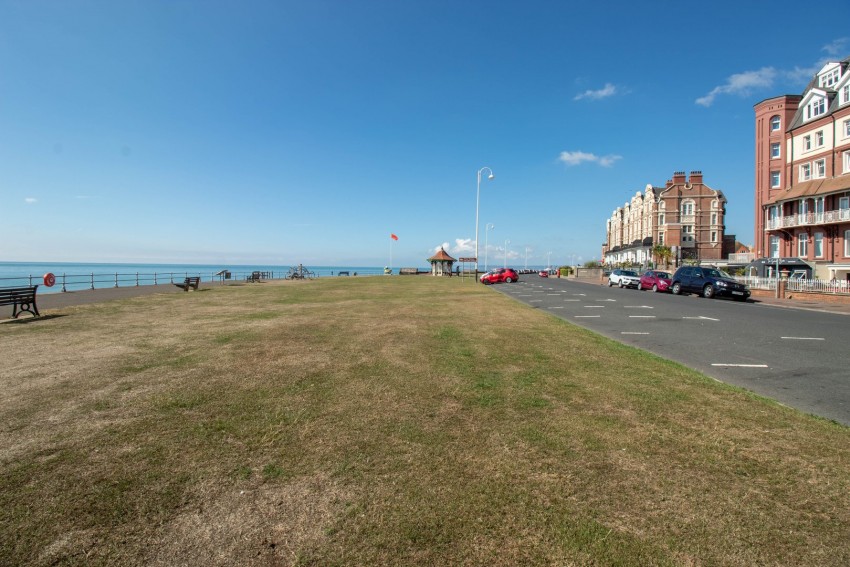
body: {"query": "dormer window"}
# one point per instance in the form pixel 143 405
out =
pixel 845 94
pixel 815 108
pixel 830 77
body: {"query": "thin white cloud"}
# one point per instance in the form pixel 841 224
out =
pixel 579 157
pixel 30 200
pixel 742 84
pixel 604 92
pixel 836 48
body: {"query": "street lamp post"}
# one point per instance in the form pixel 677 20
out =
pixel 486 234
pixel 506 252
pixel 477 200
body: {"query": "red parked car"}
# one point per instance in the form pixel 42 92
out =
pixel 500 275
pixel 655 280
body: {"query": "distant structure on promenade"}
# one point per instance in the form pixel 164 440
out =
pixel 441 263
pixel 802 175
pixel 685 215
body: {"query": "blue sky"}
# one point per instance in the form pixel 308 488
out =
pixel 307 132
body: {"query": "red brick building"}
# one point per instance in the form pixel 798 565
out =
pixel 686 215
pixel 802 174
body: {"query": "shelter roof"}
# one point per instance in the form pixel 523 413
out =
pixel 440 256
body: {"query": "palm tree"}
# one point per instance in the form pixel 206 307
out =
pixel 661 252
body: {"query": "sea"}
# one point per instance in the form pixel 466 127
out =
pixel 73 276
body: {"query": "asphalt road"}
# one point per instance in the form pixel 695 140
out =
pixel 796 357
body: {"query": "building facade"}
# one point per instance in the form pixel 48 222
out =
pixel 685 215
pixel 802 174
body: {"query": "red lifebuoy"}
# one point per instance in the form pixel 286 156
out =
pixel 49 279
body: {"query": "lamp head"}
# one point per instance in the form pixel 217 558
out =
pixel 491 176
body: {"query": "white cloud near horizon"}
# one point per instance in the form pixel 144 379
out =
pixel 579 157
pixel 30 200
pixel 604 92
pixel 460 247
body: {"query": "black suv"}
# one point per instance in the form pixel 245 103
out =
pixel 708 282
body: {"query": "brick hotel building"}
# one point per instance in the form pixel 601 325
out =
pixel 802 174
pixel 685 215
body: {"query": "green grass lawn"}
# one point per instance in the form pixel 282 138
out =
pixel 391 421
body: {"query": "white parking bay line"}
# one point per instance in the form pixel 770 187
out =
pixel 587 316
pixel 632 333
pixel 803 338
pixel 553 294
pixel 557 307
pixel 641 316
pixel 581 294
pixel 638 307
pixel 701 317
pixel 594 307
pixel 606 300
pixel 740 365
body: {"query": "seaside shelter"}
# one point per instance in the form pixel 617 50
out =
pixel 441 263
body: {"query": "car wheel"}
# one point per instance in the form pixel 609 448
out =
pixel 508 279
pixel 677 288
pixel 610 283
pixel 655 288
pixel 708 291
pixel 621 284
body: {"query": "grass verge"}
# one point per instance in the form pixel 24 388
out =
pixel 367 421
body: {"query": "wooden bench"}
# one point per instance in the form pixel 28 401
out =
pixel 23 299
pixel 254 277
pixel 192 282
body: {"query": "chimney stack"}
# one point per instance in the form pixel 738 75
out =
pixel 696 177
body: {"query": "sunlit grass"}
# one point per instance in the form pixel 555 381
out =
pixel 364 421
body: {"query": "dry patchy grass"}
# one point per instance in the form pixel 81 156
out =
pixel 387 421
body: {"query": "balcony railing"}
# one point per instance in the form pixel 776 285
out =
pixel 808 219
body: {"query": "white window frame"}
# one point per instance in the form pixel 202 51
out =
pixel 845 94
pixel 819 170
pixel 843 203
pixel 815 108
pixel 805 172
pixel 846 161
pixel 819 139
pixel 713 218
pixel 713 236
pixel 830 78
pixel 807 142
pixel 847 128
pixel 847 243
pixel 775 150
pixel 775 123
pixel 661 237
pixel 818 244
pixel 774 246
pixel 803 245
pixel 687 208
pixel 776 179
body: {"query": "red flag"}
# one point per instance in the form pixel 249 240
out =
pixel 393 236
